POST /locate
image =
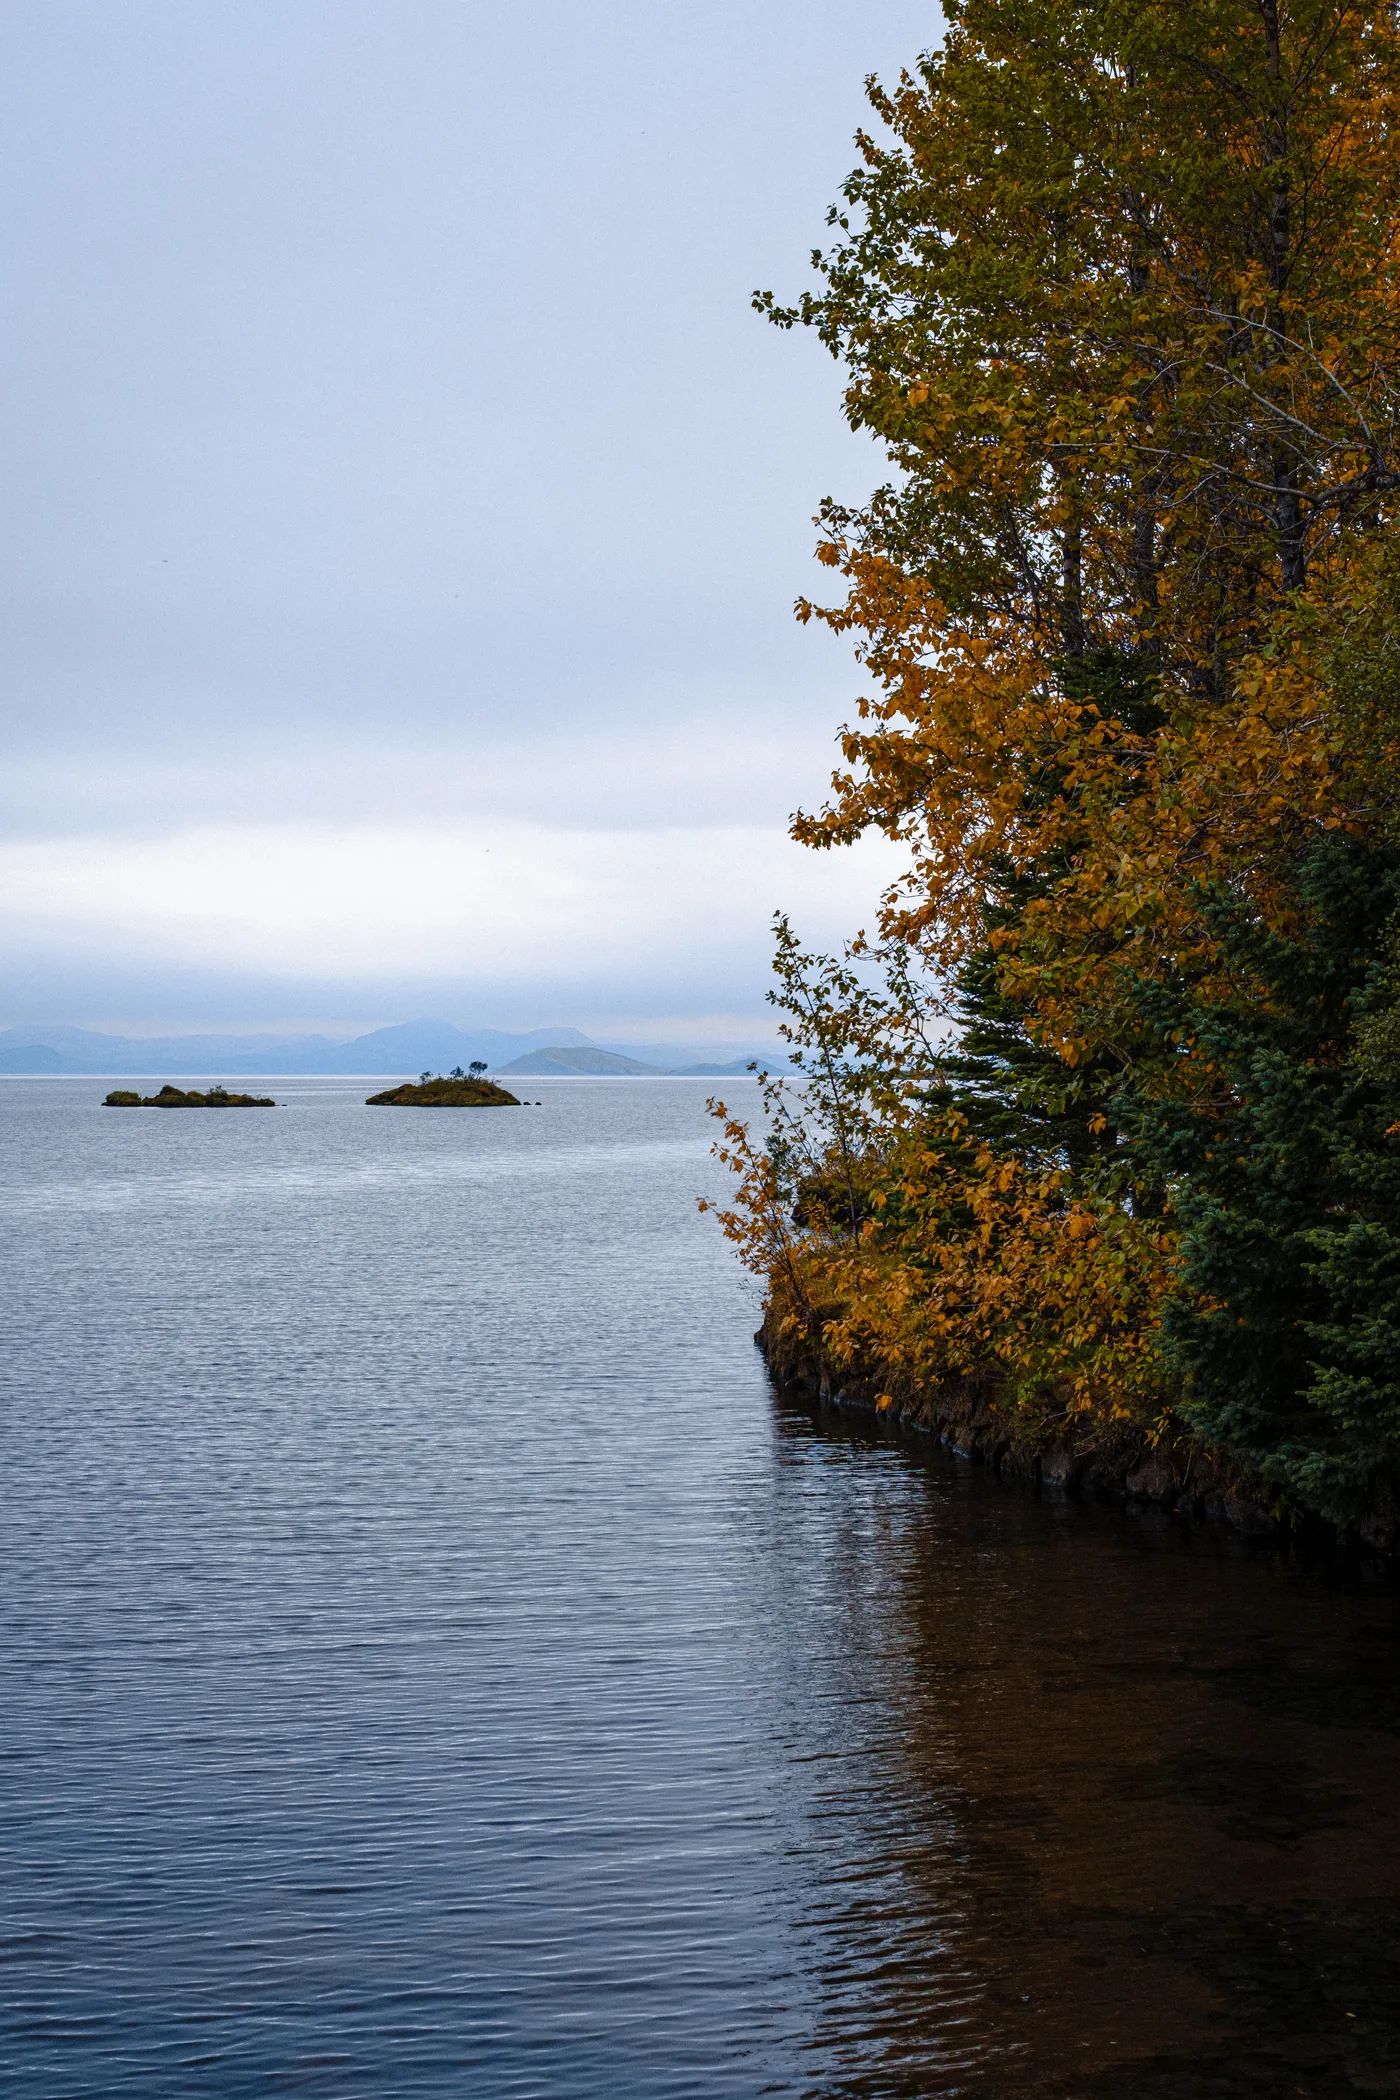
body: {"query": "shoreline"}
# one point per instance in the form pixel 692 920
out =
pixel 1090 1460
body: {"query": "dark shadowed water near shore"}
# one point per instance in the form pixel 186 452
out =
pixel 435 1663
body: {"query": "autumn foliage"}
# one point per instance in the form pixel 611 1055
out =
pixel 1118 289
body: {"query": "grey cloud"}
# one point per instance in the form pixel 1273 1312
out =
pixel 386 431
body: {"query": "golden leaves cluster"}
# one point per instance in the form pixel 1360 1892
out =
pixel 1119 291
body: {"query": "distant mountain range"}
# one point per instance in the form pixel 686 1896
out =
pixel 577 1062
pixel 409 1048
pixel 597 1064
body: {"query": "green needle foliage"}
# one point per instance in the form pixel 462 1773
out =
pixel 1285 1327
pixel 1117 286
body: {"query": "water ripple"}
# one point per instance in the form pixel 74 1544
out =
pixel 431 1664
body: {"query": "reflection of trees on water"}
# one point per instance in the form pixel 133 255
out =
pixel 1099 1810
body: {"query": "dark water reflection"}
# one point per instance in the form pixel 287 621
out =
pixel 433 1663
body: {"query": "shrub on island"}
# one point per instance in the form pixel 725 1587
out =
pixel 458 1090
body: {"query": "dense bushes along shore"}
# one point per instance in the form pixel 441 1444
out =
pixel 1103 1117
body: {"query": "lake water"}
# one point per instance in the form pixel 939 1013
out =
pixel 433 1661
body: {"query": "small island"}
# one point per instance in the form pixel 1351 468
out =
pixel 471 1089
pixel 173 1097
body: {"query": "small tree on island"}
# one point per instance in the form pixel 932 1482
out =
pixel 477 1068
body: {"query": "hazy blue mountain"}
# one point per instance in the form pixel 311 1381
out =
pixel 436 1046
pixel 705 1057
pixel 31 1057
pixel 738 1066
pixel 409 1048
pixel 577 1063
pixel 84 1050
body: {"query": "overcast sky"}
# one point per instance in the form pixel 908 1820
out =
pixel 405 507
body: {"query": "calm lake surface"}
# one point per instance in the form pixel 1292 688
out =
pixel 434 1662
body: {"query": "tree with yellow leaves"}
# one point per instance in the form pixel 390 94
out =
pixel 1117 288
